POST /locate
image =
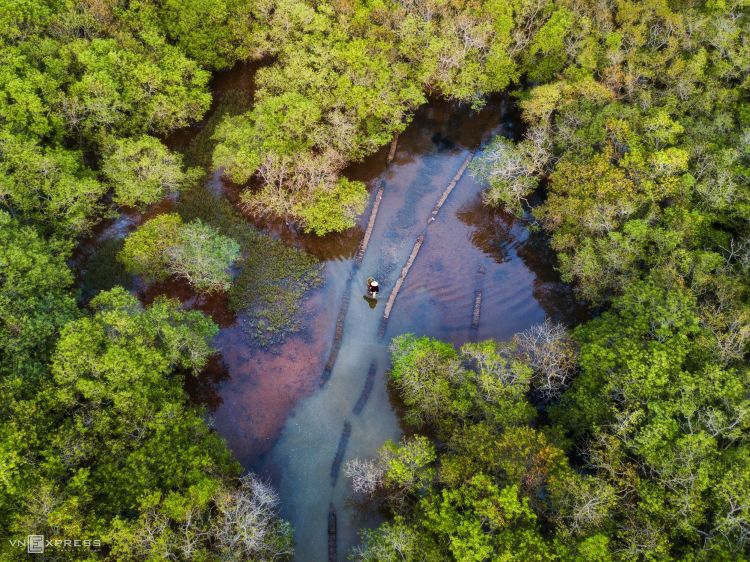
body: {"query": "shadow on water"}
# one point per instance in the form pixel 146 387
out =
pixel 239 79
pixel 495 233
pixel 491 231
pixel 215 304
pixel 556 298
pixel 204 389
pixel 95 258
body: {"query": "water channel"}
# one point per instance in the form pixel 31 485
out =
pixel 467 250
pixel 297 411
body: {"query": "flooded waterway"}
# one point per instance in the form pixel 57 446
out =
pixel 467 250
pixel 296 411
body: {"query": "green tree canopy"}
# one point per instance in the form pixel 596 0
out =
pixel 142 170
pixel 35 298
pixel 165 246
pixel 50 185
pixel 346 78
pixel 107 446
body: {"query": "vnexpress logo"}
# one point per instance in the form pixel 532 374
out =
pixel 35 544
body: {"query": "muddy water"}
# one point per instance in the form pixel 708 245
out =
pixel 467 250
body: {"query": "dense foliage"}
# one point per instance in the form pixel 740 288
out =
pixel 97 438
pixel 35 299
pixel 484 493
pixel 346 78
pixel 625 440
pixel 636 124
pixel 166 246
pixel 642 136
pixel 105 446
pixel 143 171
pixel 73 84
pixel 662 468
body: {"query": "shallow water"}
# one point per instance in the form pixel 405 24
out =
pixel 271 405
pixel 467 249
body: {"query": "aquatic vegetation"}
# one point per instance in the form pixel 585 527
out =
pixel 97 437
pixel 336 94
pixel 334 210
pixel 115 378
pixel 270 287
pixel 272 277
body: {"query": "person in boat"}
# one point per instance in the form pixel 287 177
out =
pixel 373 287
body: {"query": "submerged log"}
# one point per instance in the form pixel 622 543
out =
pixel 366 390
pixel 447 191
pixel 344 307
pixel 383 326
pixel 332 554
pixel 477 310
pixel 392 150
pixel 340 452
pixel 413 256
pixel 370 223
pixel 339 332
pixel 399 283
pixel 336 346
